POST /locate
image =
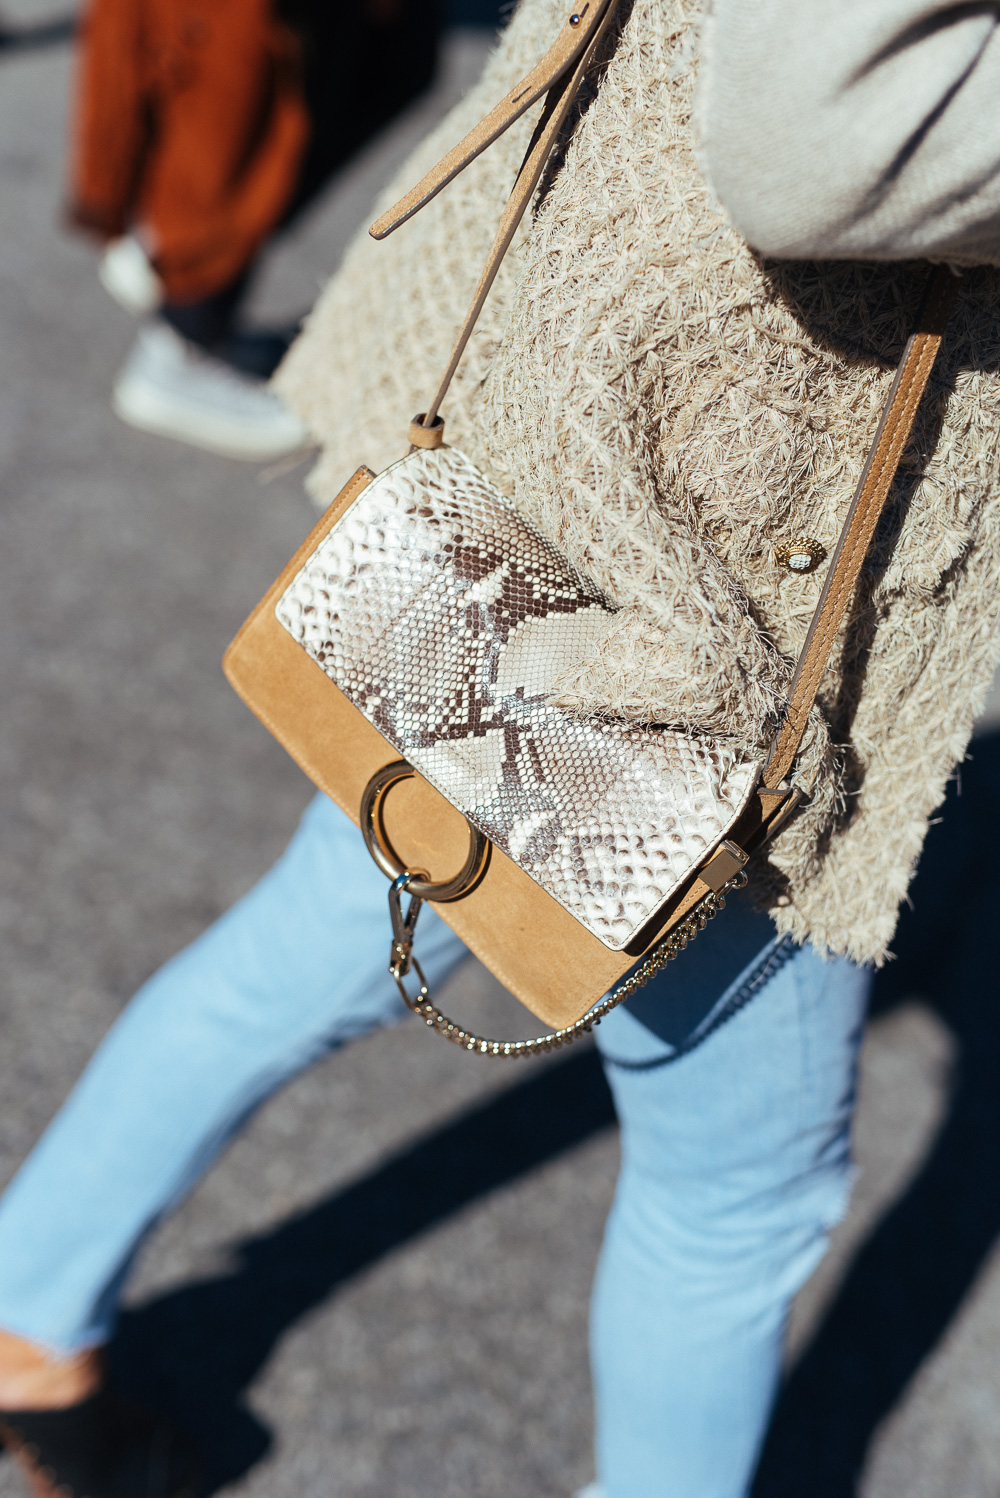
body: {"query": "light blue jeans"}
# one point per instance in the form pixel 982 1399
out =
pixel 733 1076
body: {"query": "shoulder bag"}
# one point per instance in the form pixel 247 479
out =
pixel 411 647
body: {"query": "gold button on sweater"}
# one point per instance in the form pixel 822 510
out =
pixel 669 408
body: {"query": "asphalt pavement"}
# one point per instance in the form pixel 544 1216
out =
pixel 381 1290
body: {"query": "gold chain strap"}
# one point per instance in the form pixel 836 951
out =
pixel 402 959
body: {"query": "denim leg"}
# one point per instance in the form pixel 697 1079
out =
pixel 734 1155
pixel 295 968
pixel 735 1164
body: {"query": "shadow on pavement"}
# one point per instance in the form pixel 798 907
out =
pixel 907 1281
pixel 197 1349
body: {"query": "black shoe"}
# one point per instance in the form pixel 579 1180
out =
pixel 256 351
pixel 103 1447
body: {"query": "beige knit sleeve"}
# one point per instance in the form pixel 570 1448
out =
pixel 855 129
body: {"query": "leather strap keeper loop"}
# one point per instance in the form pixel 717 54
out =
pixel 421 436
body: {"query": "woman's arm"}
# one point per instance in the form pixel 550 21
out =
pixel 855 129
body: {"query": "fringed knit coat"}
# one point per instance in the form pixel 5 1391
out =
pixel 669 408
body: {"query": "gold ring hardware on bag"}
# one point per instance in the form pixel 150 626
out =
pixel 419 888
pixel 388 860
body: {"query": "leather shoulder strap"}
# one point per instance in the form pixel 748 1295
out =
pixel 863 516
pixel 575 37
pixel 561 73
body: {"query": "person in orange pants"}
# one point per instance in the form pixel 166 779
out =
pixel 199 130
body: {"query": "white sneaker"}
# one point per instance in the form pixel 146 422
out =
pixel 174 388
pixel 126 274
pixel 592 1490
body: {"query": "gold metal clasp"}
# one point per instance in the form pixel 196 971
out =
pixel 413 1001
pixel 725 865
pixel 415 883
pixel 404 925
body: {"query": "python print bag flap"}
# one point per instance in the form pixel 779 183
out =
pixel 415 644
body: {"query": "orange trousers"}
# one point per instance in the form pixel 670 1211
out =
pixel 190 127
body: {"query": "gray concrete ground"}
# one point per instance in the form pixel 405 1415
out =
pixel 382 1288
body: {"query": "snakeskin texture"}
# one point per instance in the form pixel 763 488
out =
pixel 446 619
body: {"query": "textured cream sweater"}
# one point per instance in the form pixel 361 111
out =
pixel 669 407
